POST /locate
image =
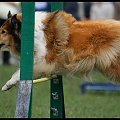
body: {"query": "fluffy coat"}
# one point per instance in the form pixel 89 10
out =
pixel 63 45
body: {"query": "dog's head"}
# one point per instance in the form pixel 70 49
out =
pixel 56 31
pixel 10 33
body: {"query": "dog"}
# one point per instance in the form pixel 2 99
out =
pixel 64 45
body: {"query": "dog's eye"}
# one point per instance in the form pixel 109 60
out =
pixel 3 31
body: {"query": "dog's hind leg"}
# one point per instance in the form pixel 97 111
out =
pixel 15 78
pixel 113 72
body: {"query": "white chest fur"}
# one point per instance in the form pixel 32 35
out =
pixel 40 49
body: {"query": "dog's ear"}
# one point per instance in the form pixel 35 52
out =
pixel 9 14
pixel 16 31
pixel 19 17
pixel 15 22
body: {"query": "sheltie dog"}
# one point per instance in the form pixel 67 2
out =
pixel 63 45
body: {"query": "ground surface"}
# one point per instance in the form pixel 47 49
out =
pixel 77 105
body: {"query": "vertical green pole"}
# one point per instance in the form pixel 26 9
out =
pixel 57 109
pixel 23 107
pixel 56 6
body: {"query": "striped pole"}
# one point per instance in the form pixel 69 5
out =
pixel 57 109
pixel 23 106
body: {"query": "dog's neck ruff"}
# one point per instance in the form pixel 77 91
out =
pixel 40 49
pixel 39 38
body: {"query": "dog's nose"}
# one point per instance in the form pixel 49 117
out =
pixel 2 44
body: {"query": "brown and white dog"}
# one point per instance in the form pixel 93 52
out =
pixel 64 45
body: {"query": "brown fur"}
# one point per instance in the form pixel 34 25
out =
pixel 79 46
pixel 7 38
pixel 10 33
pixel 19 17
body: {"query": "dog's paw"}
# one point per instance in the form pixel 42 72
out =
pixel 6 87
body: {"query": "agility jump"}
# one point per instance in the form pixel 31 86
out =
pixel 24 100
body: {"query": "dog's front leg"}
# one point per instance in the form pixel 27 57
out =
pixel 14 79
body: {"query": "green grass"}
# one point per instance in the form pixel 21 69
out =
pixel 77 105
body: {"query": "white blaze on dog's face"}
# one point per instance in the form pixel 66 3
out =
pixel 10 34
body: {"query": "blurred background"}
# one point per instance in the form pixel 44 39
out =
pixel 96 104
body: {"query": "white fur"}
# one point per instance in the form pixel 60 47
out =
pixel 39 38
pixel 40 65
pixel 15 78
pixel 40 46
